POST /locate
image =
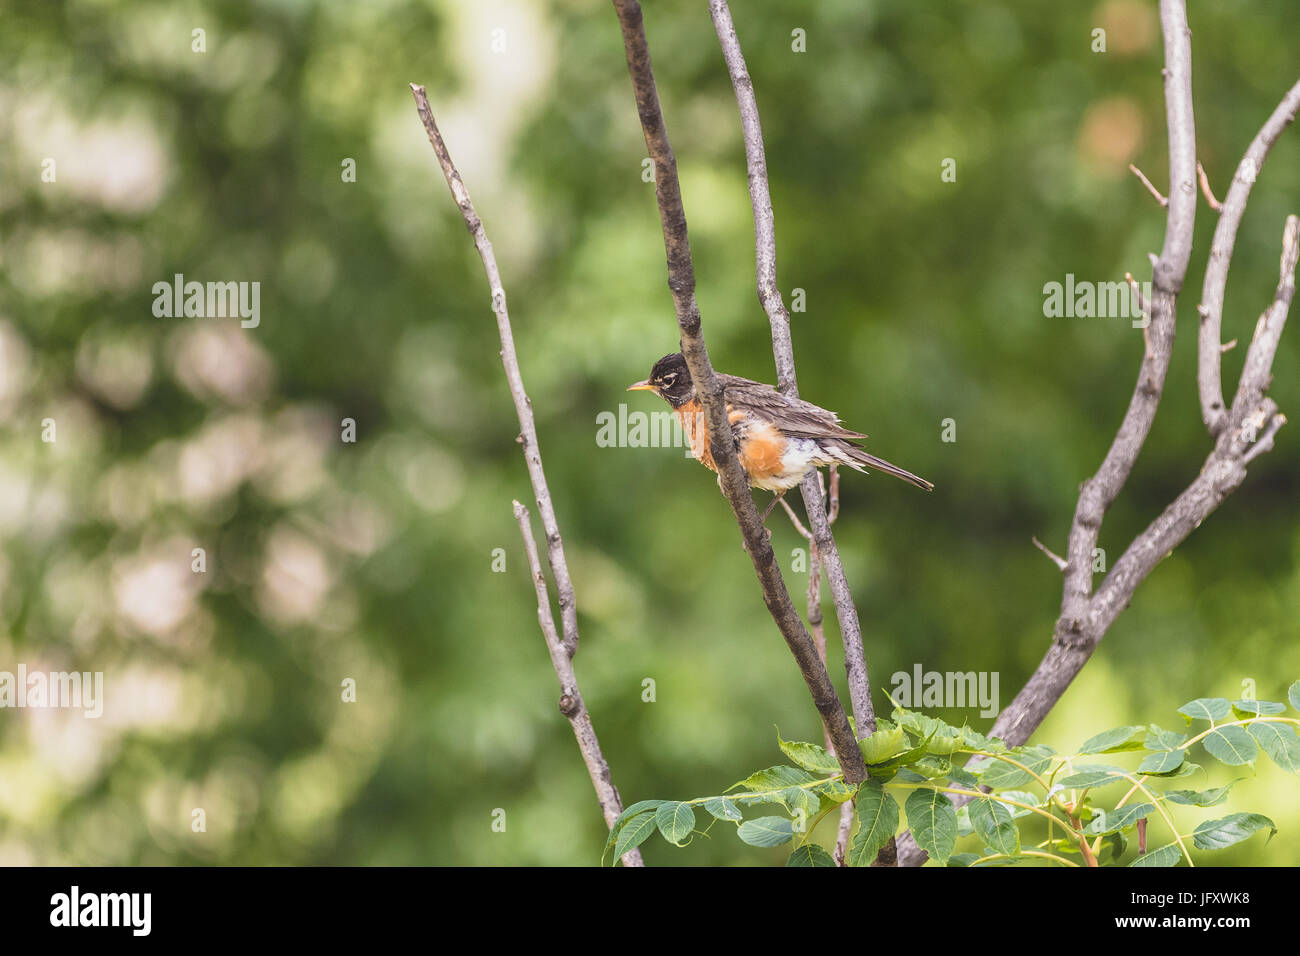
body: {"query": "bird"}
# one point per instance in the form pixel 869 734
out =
pixel 779 439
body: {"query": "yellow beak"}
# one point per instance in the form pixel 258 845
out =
pixel 643 386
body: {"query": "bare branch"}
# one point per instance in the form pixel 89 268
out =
pixel 794 520
pixel 1144 307
pixel 1099 492
pixel 1076 634
pixel 561 650
pixel 1056 559
pixel 1209 380
pixel 571 703
pixel 523 407
pixel 1147 183
pixel 1264 443
pixel 1241 435
pixel 1257 371
pixel 1206 190
pixel 769 294
pixel 681 281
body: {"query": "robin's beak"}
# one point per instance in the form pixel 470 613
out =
pixel 643 386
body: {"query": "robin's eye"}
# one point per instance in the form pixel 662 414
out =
pixel 670 378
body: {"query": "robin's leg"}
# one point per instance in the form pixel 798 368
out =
pixel 776 496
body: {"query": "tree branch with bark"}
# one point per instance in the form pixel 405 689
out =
pixel 1241 433
pixel 562 649
pixel 681 282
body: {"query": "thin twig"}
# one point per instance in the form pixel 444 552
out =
pixel 1209 382
pixel 562 650
pixel 681 282
pixel 1056 559
pixel 1246 431
pixel 1099 492
pixel 571 704
pixel 523 407
pixel 1206 190
pixel 1144 307
pixel 1075 635
pixel 1147 183
pixel 1256 373
pixel 794 520
pixel 769 295
pixel 815 624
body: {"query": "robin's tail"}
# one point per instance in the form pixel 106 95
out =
pixel 861 458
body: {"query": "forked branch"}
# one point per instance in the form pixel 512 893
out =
pixel 561 649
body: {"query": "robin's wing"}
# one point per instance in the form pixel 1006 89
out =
pixel 793 416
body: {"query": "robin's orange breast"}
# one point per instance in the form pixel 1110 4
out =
pixel 760 445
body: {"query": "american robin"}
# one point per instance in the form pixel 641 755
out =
pixel 778 439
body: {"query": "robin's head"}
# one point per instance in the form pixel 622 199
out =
pixel 670 379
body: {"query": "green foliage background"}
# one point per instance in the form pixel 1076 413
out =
pixel 373 560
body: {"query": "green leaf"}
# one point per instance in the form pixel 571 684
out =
pixel 1206 708
pixel 809 756
pixel 635 832
pixel 931 767
pixel 1114 741
pixel 766 831
pixel 723 809
pixel 836 791
pixel 944 740
pixel 1168 855
pixel 810 854
pixel 1293 695
pixel 1164 761
pixel 995 825
pixel 1113 846
pixel 877 822
pixel 964 826
pixel 625 816
pixel 887 741
pixel 919 724
pixel 974 740
pixel 1230 745
pixel 962 859
pixel 1161 739
pixel 1023 796
pixel 775 778
pixel 1201 798
pixel 1256 708
pixel 933 821
pixel 883 771
pixel 676 822
pixel 1235 827
pixel 1093 775
pixel 1279 741
pixel 798 800
pixel 963 778
pixel 1109 821
pixel 999 774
